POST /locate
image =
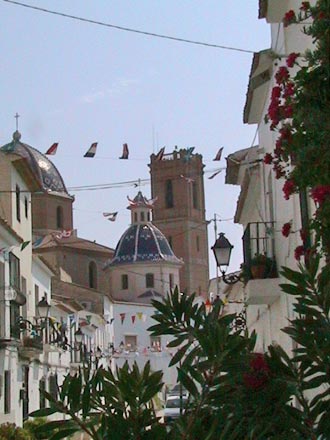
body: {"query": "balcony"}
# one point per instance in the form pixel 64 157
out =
pixel 31 347
pixel 259 269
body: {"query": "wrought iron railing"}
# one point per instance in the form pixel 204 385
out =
pixel 259 239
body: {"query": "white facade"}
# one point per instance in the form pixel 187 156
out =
pixel 262 208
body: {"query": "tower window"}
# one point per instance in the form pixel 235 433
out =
pixel 142 216
pixel 18 203
pixel 92 275
pixel 59 217
pixel 150 281
pixel 148 216
pixel 7 392
pixel 195 195
pixel 135 216
pixel 124 281
pixel 197 243
pixel 169 194
pixel 26 207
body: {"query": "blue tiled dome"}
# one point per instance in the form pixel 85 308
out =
pixel 49 177
pixel 143 243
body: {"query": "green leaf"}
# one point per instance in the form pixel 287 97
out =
pixel 44 412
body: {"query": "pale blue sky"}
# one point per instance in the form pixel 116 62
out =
pixel 76 83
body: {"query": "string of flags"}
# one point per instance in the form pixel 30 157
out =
pixel 91 152
pixel 7 249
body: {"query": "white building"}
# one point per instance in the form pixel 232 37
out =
pixel 261 207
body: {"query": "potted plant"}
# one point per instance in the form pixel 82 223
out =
pixel 262 266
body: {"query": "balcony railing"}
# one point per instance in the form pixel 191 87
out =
pixel 258 239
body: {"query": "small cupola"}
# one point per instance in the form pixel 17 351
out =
pixel 140 208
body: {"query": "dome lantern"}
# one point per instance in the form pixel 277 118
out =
pixel 140 208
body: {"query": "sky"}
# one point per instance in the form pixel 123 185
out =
pixel 76 83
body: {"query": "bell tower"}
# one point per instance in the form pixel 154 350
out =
pixel 177 182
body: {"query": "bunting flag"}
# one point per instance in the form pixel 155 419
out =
pixel 160 154
pixel 52 150
pixel 188 154
pixel 24 244
pixel 64 234
pixel 122 317
pixel 111 216
pixel 218 155
pixel 91 151
pixel 188 179
pixel 139 315
pixel 133 319
pixel 111 320
pixel 125 152
pixel 215 174
pixel 42 241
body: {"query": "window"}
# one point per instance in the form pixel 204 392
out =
pixel 53 387
pixel 142 216
pixel 171 279
pixel 92 275
pixel 14 316
pixel 169 194
pixel 36 300
pixel 155 343
pixel 197 243
pixel 59 217
pixel 150 282
pixel 131 342
pixel 7 392
pixel 148 216
pixel 26 207
pixel 42 388
pixel 124 282
pixel 195 195
pixel 135 217
pixel 14 271
pixel 18 203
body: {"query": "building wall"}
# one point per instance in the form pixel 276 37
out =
pixel 45 212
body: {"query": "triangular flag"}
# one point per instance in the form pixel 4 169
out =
pixel 188 179
pixel 111 320
pixel 24 244
pixel 64 234
pixel 91 151
pixel 52 150
pixel 215 174
pixel 160 154
pixel 133 318
pixel 218 155
pixel 110 215
pixel 122 317
pixel 188 154
pixel 125 152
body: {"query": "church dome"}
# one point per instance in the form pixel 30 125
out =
pixel 143 243
pixel 45 171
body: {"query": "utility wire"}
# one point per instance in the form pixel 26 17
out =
pixel 122 28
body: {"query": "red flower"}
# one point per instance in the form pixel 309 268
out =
pixel 288 188
pixel 276 92
pixel 305 6
pixel 268 158
pixel 288 111
pixel 321 16
pixel 286 229
pixel 289 17
pixel 320 193
pixel 258 374
pixel 282 75
pixel 291 59
pixel 299 252
pixel 289 90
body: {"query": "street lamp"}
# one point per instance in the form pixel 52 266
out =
pixel 222 250
pixel 43 309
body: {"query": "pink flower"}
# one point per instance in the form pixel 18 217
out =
pixel 299 252
pixel 289 90
pixel 291 59
pixel 320 193
pixel 286 229
pixel 276 92
pixel 268 158
pixel 288 188
pixel 288 111
pixel 282 75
